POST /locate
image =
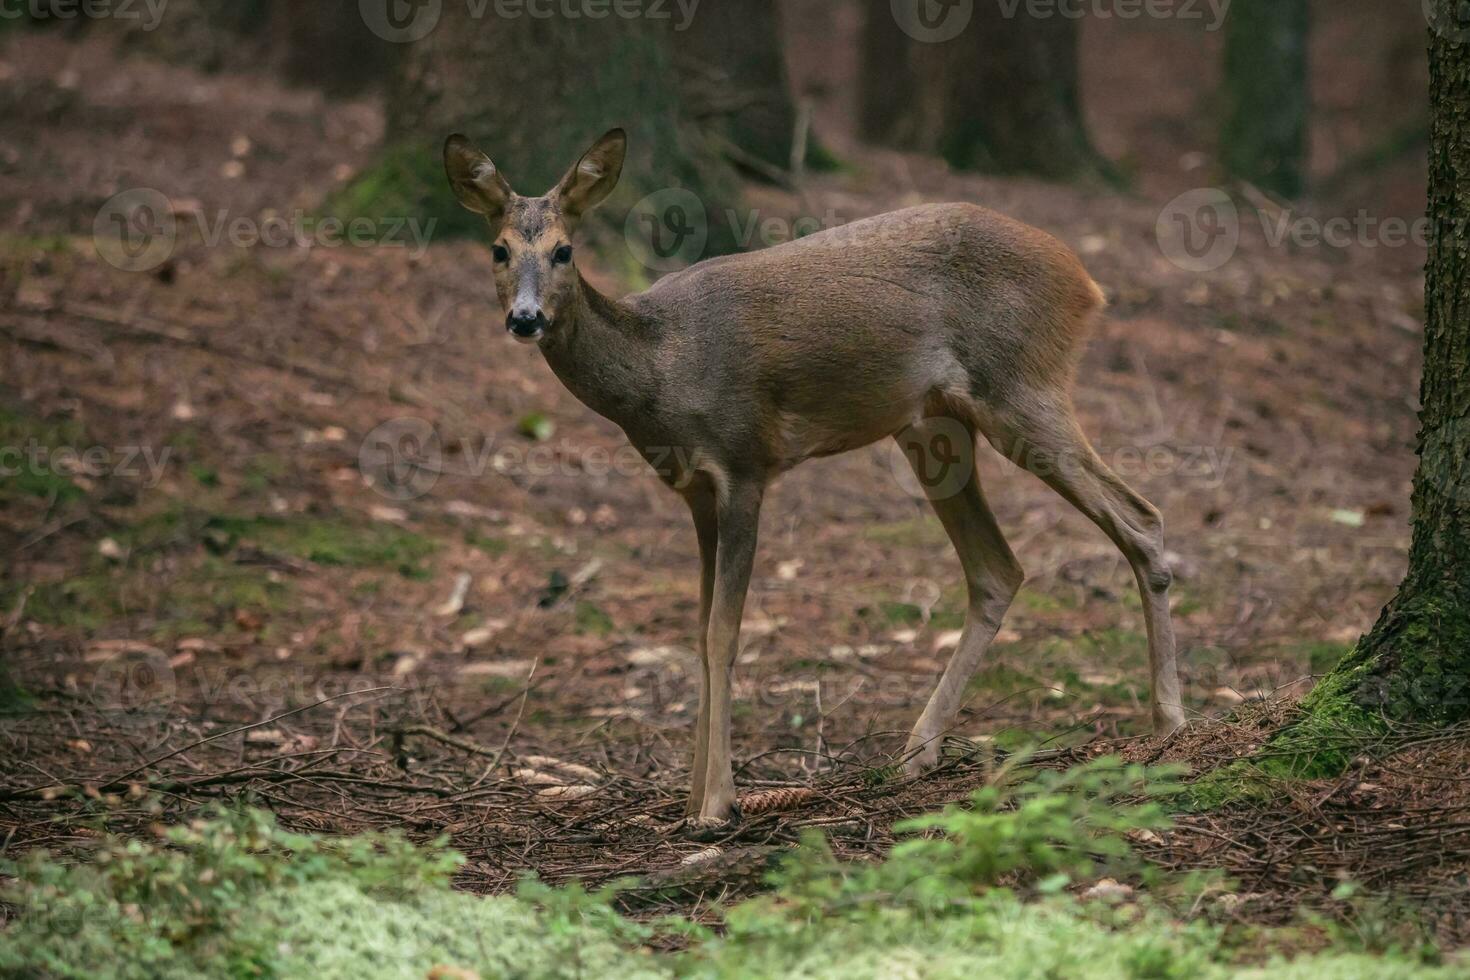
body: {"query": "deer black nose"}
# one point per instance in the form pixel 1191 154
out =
pixel 526 326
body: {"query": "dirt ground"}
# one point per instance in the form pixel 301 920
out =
pixel 224 597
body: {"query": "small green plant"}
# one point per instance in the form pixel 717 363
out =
pixel 978 891
pixel 139 908
pixel 1378 925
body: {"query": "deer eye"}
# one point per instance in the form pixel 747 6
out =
pixel 500 253
pixel 562 255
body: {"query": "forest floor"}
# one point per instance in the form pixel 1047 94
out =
pixel 209 592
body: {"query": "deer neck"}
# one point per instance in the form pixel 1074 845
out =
pixel 604 354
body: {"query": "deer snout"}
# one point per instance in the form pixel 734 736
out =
pixel 526 325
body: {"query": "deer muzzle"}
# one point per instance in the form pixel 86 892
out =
pixel 527 327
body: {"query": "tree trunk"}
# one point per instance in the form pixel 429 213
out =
pixel 1264 136
pixel 211 35
pixel 326 44
pixel 988 91
pixel 1009 101
pixel 1415 663
pixel 535 93
pixel 730 57
pixel 886 86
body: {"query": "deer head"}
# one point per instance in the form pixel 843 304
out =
pixel 535 273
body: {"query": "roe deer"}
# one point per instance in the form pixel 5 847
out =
pixel 907 325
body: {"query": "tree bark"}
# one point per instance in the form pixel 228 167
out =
pixel 1263 139
pixel 887 88
pixel 1002 95
pixel 326 44
pixel 535 93
pixel 735 81
pixel 1415 663
pixel 1007 95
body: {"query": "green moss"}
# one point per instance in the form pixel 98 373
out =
pixel 331 542
pixel 264 471
pixel 83 602
pixel 201 596
pixel 14 699
pixel 918 531
pixel 901 613
pixel 591 619
pixel 407 181
pixel 1115 648
pixel 1332 730
pixel 28 463
pixel 1041 601
pixel 1004 681
pixel 1413 667
pixel 494 547
pixel 205 476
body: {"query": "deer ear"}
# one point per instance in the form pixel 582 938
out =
pixel 476 181
pixel 595 175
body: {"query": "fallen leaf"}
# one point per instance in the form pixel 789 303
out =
pixel 482 634
pixel 948 640
pixel 517 669
pixel 536 426
pixel 455 603
pixel 101 651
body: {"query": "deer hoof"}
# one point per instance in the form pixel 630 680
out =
pixel 923 754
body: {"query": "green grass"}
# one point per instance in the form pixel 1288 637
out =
pixel 916 531
pixel 973 890
pixel 27 466
pixel 202 586
pixel 592 619
pixel 329 541
pixel 494 547
pixel 201 597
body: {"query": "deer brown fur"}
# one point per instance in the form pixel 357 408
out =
pixel 728 373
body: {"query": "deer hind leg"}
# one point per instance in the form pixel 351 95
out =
pixel 992 574
pixel 1047 440
pixel 702 505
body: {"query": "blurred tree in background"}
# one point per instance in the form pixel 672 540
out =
pixel 534 94
pixel 733 70
pixel 1010 101
pixel 1002 96
pixel 886 82
pixel 327 45
pixel 1263 139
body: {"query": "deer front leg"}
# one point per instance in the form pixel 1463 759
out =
pixel 702 504
pixel 739 520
